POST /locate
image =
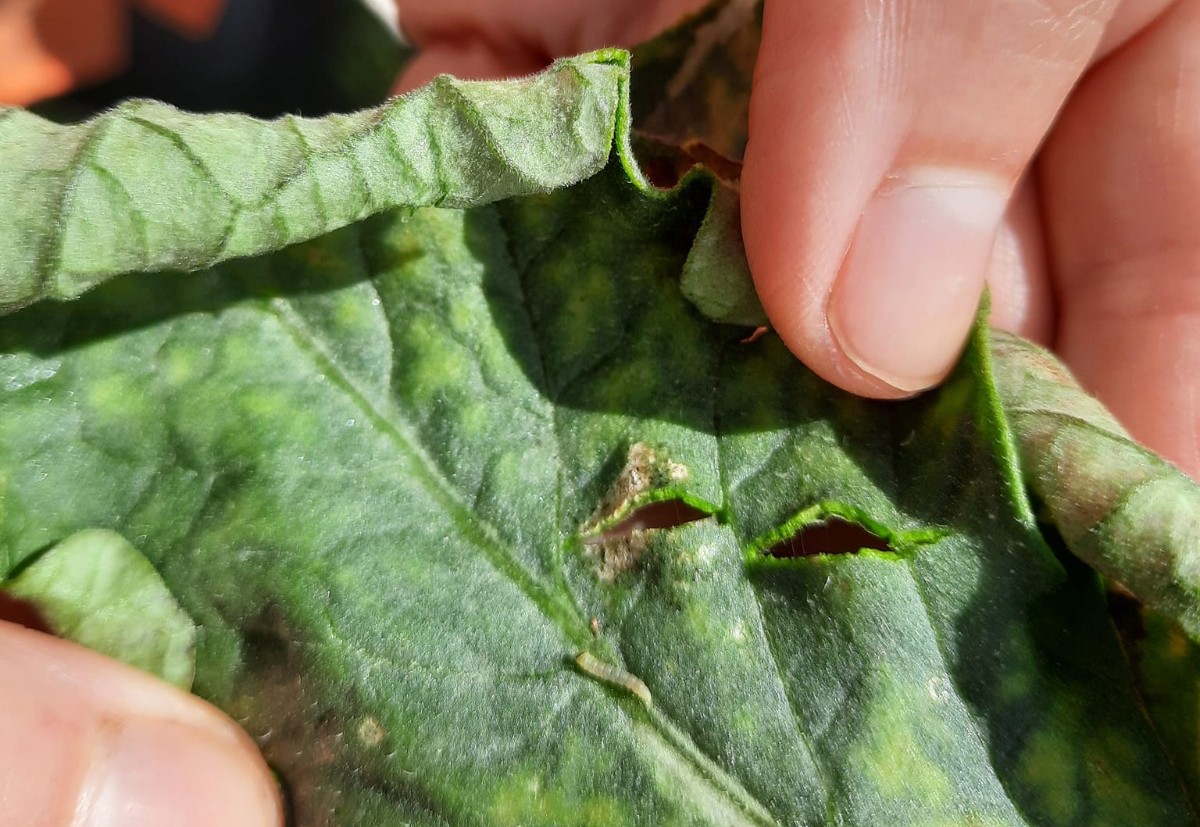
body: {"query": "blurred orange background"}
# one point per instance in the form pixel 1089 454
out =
pixel 49 47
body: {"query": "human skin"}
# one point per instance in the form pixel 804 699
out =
pixel 48 47
pixel 901 153
pixel 90 742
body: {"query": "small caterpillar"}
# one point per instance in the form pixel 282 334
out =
pixel 614 675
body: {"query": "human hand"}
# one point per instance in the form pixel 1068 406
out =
pixel 902 152
pixel 48 47
pixel 89 742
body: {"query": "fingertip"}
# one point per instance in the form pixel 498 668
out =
pixel 1121 192
pixel 153 772
pixel 883 151
pixel 908 291
pixel 91 742
pixel 904 297
pixel 1018 280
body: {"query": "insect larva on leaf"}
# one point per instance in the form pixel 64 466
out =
pixel 614 675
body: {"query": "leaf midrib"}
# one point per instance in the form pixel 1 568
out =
pixel 475 530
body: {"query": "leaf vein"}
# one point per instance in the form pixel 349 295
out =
pixel 474 529
pixel 50 260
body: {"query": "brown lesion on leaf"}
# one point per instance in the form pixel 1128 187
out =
pixel 664 164
pixel 697 78
pixel 617 555
pixel 735 17
pixel 646 469
pixel 371 732
pixel 316 747
pixel 618 532
pixel 303 742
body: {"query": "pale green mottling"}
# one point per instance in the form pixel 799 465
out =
pixel 463 317
pixel 265 403
pixel 595 286
pixel 180 367
pixel 1054 777
pixel 892 756
pixel 574 334
pixel 524 803
pixel 351 312
pixel 744 720
pixel 1116 794
pixel 554 794
pixel 635 374
pixel 474 418
pixel 1016 685
pixel 115 394
pixel 436 367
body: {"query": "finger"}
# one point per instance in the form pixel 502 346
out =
pixel 1121 177
pixel 45 51
pixel 470 60
pixel 482 39
pixel 1017 280
pixel 197 19
pixel 89 742
pixel 550 27
pixel 885 141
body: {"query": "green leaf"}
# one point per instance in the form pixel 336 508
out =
pixel 96 589
pixel 384 471
pixel 716 277
pixel 1167 667
pixel 146 187
pixel 1119 507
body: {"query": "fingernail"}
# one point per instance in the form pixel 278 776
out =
pixel 150 773
pixel 909 287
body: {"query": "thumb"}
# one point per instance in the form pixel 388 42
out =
pixel 885 142
pixel 89 742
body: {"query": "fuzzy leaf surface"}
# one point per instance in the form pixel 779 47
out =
pixel 96 589
pixel 146 187
pixel 377 468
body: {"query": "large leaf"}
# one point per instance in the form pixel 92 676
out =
pixel 1167 667
pixel 146 187
pixel 1120 507
pixel 380 469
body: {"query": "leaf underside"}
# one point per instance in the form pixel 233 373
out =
pixel 96 589
pixel 366 464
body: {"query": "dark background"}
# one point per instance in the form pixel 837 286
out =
pixel 266 58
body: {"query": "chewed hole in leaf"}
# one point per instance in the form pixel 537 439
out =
pixel 619 548
pixel 832 535
pixel 662 514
